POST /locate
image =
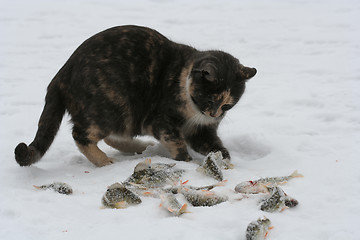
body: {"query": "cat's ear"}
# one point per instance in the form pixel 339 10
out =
pixel 246 72
pixel 206 72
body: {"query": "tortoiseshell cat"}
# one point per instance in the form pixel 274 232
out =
pixel 128 81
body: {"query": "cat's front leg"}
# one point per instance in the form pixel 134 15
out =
pixel 173 140
pixel 205 140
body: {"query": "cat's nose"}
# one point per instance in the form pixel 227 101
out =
pixel 216 113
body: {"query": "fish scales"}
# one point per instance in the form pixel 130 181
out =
pixel 118 193
pixel 278 200
pixel 202 197
pixel 258 230
pixel 279 180
pixel 59 187
pixel 211 168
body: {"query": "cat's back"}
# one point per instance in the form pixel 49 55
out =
pixel 125 36
pixel 120 44
pixel 117 59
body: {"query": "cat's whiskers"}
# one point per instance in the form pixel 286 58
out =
pixel 198 120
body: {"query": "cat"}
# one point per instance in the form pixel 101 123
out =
pixel 129 81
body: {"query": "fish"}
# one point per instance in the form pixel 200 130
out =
pixel 146 164
pixel 170 203
pixel 177 189
pixel 259 229
pixel 210 166
pixel 59 187
pixel 222 162
pixel 118 196
pixel 261 185
pixel 162 166
pixel 204 198
pixel 208 187
pixel 279 180
pixel 277 201
pixel 251 187
pixel 154 175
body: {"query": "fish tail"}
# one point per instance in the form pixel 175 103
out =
pixel 183 183
pixel 183 209
pixel 222 183
pixel 284 208
pixel 295 174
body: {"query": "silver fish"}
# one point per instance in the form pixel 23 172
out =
pixel 279 180
pixel 251 187
pixel 170 203
pixel 156 179
pixel 202 197
pixel 118 196
pixel 154 175
pixel 258 230
pixel 277 201
pixel 208 187
pixel 177 189
pixel 261 185
pixel 59 187
pixel 210 166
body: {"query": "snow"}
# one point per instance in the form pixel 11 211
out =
pixel 301 111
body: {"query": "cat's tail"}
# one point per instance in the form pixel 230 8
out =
pixel 48 126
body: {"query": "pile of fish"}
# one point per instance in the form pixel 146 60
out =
pixel 163 181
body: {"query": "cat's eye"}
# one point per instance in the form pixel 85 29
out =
pixel 226 107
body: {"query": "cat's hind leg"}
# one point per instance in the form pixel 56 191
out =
pixel 128 145
pixel 87 141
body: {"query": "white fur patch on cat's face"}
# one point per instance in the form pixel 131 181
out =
pixel 198 117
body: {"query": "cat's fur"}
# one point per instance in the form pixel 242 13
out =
pixel 128 81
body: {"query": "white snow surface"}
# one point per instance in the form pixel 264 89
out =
pixel 301 111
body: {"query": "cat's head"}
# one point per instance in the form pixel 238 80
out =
pixel 217 82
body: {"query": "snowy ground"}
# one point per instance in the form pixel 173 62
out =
pixel 301 111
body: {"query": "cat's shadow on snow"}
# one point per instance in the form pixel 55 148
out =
pixel 248 147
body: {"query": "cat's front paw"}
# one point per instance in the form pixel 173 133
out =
pixel 225 154
pixel 104 162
